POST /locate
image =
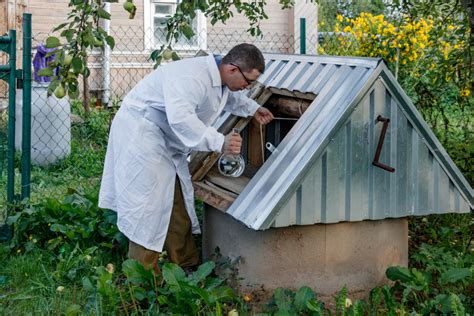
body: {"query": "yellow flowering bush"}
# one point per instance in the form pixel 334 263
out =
pixel 428 52
pixel 374 36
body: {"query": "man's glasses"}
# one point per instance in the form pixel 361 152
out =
pixel 249 82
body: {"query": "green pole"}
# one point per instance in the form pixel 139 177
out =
pixel 26 128
pixel 302 36
pixel 11 119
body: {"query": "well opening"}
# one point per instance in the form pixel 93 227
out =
pixel 219 190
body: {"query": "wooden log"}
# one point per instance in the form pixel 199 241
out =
pixel 287 106
pixel 212 196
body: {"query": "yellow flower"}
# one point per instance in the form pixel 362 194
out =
pixel 110 268
pixel 247 298
pixel 233 312
pixel 322 23
pixel 339 18
pixel 348 302
pixel 465 92
pixel 450 27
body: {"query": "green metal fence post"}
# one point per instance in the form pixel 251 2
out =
pixel 302 36
pixel 26 126
pixel 11 119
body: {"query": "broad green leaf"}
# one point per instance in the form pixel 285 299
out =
pixel 303 295
pixel 87 284
pixel 110 41
pixel 139 293
pixel 174 56
pixel 12 219
pixel 52 42
pixel 314 306
pixel 136 272
pixel 454 275
pixel 282 300
pixel 77 64
pixel 203 271
pixel 401 274
pixel 223 293
pixel 187 31
pixel 103 14
pixel 172 274
pixel 60 26
pixel 45 72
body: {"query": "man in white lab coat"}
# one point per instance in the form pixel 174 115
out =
pixel 146 178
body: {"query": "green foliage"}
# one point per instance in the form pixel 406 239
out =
pixel 174 292
pixel 288 302
pixel 80 33
pixel 61 225
pixel 329 9
pixel 427 46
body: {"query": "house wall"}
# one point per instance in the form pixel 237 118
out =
pixel 323 257
pixel 130 60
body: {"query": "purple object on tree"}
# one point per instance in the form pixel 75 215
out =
pixel 41 61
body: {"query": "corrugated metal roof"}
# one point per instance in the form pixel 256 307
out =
pixel 311 178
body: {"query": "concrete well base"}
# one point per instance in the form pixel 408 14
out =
pixel 323 257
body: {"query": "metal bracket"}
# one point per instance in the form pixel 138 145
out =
pixel 376 161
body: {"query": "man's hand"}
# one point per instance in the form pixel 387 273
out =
pixel 263 116
pixel 232 144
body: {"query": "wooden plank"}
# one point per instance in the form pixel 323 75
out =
pixel 286 106
pixel 235 185
pixel 207 164
pixel 212 196
pixel 255 151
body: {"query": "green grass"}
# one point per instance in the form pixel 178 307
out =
pixel 28 286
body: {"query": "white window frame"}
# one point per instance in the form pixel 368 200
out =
pixel 149 38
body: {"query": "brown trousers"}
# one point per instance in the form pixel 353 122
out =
pixel 179 242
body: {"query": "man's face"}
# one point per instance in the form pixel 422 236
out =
pixel 239 80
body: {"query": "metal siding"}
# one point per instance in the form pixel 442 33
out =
pixel 457 201
pixel 436 197
pixel 324 75
pixel 401 168
pixel 311 195
pixel 282 78
pixel 413 170
pixel 360 156
pixel 348 170
pixel 324 185
pixel 272 71
pixel 308 76
pixel 342 184
pixel 371 152
pixel 336 178
pixel 392 105
pixel 445 188
pixel 380 176
pixel 425 182
pixel 300 72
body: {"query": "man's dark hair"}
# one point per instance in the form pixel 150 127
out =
pixel 246 56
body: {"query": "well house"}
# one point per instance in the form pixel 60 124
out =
pixel 351 159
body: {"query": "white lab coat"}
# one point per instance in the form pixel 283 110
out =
pixel 164 117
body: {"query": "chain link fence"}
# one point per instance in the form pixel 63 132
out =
pixel 113 75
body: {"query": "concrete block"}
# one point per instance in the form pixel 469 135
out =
pixel 324 257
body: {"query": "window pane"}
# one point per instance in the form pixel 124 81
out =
pixel 166 9
pixel 159 30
